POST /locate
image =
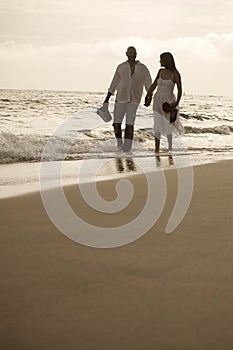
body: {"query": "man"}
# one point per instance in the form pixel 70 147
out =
pixel 129 79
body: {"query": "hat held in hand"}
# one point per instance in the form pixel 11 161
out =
pixel 167 108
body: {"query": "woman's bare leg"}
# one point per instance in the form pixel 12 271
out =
pixel 169 139
pixel 157 142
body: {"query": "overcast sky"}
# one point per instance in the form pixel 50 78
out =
pixel 77 44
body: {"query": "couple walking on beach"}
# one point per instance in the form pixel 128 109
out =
pixel 129 80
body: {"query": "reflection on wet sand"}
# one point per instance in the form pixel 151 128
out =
pixel 170 159
pixel 125 164
pixel 158 160
pixel 128 164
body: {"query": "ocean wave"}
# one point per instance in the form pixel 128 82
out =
pixel 88 143
pixel 30 148
pixel 5 100
pixel 219 130
pixel 200 117
pixel 20 148
pixel 27 101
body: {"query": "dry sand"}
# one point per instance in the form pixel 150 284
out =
pixel 161 292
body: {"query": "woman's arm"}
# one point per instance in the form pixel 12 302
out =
pixel 153 86
pixel 179 87
pixel 148 97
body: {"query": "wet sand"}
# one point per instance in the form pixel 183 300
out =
pixel 161 292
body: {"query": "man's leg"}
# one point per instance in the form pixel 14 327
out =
pixel 119 112
pixel 118 134
pixel 131 111
pixel 129 129
pixel 119 165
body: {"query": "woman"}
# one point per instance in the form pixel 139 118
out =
pixel 165 80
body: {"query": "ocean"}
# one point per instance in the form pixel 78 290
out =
pixel 31 118
pixel 28 118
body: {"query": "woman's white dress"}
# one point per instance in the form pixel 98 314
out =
pixel 164 93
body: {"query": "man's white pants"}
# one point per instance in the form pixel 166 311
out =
pixel 126 109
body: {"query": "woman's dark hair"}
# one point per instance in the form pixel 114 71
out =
pixel 168 61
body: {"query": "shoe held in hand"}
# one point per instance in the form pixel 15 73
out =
pixel 104 113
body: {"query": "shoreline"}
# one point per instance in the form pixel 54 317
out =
pixel 22 178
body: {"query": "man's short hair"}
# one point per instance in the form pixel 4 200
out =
pixel 131 48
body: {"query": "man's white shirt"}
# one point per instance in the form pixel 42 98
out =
pixel 130 87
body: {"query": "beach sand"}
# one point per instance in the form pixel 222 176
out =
pixel 164 291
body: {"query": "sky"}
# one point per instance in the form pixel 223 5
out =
pixel 77 44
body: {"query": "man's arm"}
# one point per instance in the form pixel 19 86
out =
pixel 109 94
pixel 113 86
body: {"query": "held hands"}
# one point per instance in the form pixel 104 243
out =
pixel 148 99
pixel 174 105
